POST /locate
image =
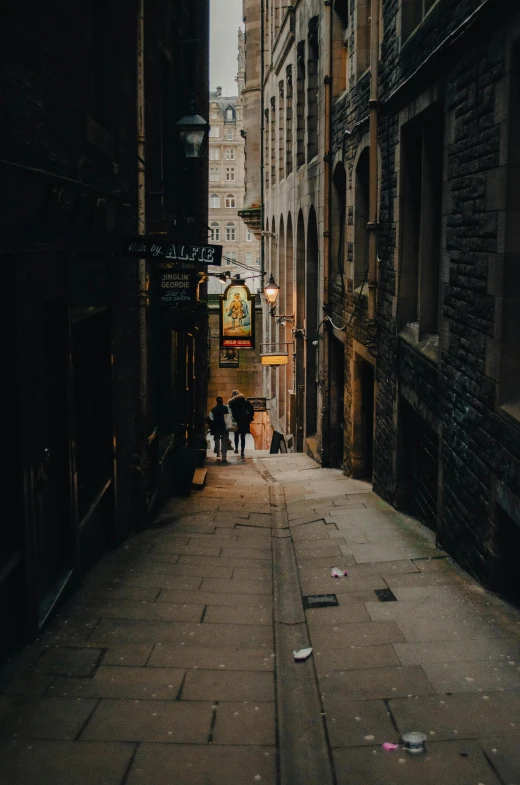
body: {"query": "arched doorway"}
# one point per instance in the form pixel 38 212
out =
pixel 311 325
pixel 300 327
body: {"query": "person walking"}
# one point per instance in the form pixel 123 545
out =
pixel 243 414
pixel 220 430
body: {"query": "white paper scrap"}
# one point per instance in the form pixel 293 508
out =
pixel 337 573
pixel 302 654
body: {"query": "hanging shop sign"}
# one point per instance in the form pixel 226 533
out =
pixel 168 251
pixel 237 318
pixel 229 358
pixel 175 287
pixel 258 404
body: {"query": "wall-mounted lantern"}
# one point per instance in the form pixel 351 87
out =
pixel 193 130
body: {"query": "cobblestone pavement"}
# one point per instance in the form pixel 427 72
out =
pixel 174 662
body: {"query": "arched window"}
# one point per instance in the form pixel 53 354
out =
pixel 231 232
pixel 231 201
pixel 215 232
pixel 214 201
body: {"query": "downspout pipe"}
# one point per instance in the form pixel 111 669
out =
pixel 327 245
pixel 141 264
pixel 373 111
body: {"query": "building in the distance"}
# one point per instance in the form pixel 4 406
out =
pixel 241 250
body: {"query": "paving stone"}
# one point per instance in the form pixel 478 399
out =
pixel 458 651
pixel 377 552
pixel 434 578
pixel 504 757
pixel 128 654
pixel 28 717
pixel 150 611
pixel 115 591
pixel 245 723
pixel 222 561
pixel 365 684
pixel 448 763
pixel 304 559
pixel 227 685
pixel 161 581
pixel 358 723
pixel 327 585
pixel 312 532
pixel 216 598
pixel 64 763
pixel 30 682
pixel 243 587
pixel 243 552
pixel 317 550
pixel 467 716
pixel 354 611
pixel 253 573
pixel 448 626
pixel 474 676
pixel 352 657
pixel 193 570
pixel 189 550
pixel 202 765
pixel 62 661
pixel 110 631
pixel 150 720
pixel 124 682
pixel 214 658
pixel 357 634
pixel 218 614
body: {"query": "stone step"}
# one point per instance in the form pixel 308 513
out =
pixel 199 479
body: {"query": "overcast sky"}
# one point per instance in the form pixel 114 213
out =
pixel 225 19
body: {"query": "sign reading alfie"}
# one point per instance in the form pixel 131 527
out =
pixel 167 251
pixel 176 287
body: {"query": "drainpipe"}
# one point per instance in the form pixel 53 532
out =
pixel 141 230
pixel 373 107
pixel 327 203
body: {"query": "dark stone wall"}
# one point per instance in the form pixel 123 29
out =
pixel 461 58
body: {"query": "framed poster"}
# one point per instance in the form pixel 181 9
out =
pixel 228 358
pixel 258 404
pixel 237 318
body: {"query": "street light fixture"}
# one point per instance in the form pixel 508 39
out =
pixel 192 130
pixel 271 291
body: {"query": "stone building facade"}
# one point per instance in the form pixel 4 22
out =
pixel 101 389
pixel 241 249
pixel 418 375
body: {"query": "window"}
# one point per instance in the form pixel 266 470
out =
pixel 281 131
pixel 300 104
pixel 249 236
pixel 231 201
pixel 215 232
pixel 230 173
pixel 412 14
pixel 273 140
pixel 214 201
pixel 231 257
pixel 257 261
pixel 229 134
pixel 362 52
pixel 231 232
pixel 230 155
pixel 214 154
pixel 229 115
pixel 312 90
pixel 214 132
pixel 214 174
pixel 289 121
pixel 422 141
pixel 249 258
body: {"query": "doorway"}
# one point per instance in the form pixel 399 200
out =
pixel 337 402
pixel 363 419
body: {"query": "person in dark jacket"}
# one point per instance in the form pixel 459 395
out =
pixel 219 428
pixel 243 414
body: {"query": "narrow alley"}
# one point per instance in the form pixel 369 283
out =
pixel 175 662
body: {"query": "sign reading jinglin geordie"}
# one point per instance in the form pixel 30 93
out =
pixel 176 287
pixel 237 318
pixel 168 251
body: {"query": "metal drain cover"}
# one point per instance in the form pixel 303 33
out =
pixel 385 595
pixel 320 601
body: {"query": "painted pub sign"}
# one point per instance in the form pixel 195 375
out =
pixel 237 318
